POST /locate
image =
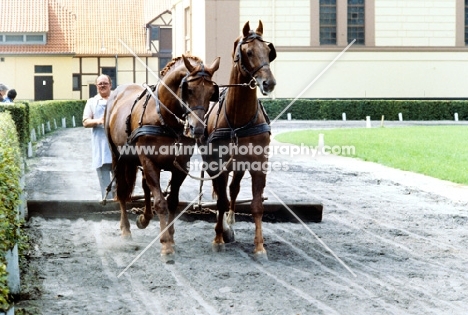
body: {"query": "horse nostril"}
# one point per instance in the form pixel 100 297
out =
pixel 269 85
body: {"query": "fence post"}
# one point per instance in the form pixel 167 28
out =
pixel 289 116
pixel 321 142
pixel 400 116
pixel 64 122
pixel 343 115
pixel 30 149
pixel 456 116
pixel 368 122
pixel 33 135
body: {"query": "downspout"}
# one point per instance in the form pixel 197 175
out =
pixel 116 69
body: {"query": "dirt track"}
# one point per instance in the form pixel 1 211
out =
pixel 403 237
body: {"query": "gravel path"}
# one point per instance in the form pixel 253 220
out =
pixel 391 242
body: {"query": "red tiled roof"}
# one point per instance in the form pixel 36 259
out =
pixel 81 27
pixel 24 16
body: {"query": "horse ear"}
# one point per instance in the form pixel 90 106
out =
pixel 259 30
pixel 215 65
pixel 246 29
pixel 187 64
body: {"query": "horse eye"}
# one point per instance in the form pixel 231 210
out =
pixel 249 53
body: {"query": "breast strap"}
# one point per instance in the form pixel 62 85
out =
pixel 150 130
pixel 245 131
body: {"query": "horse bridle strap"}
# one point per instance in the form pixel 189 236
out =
pixel 238 55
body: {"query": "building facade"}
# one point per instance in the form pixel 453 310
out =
pixel 55 49
pixel 403 48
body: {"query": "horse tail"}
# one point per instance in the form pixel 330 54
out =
pixel 125 171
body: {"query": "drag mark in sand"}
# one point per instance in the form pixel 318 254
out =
pixel 183 282
pixel 320 305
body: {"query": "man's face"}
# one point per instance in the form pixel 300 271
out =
pixel 103 86
pixel 3 93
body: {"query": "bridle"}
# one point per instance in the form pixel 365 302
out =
pixel 154 92
pixel 206 77
pixel 238 60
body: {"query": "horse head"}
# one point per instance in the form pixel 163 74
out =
pixel 253 56
pixel 197 90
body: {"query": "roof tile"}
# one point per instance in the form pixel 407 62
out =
pixel 81 27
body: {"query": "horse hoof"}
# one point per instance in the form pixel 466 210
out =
pixel 126 236
pixel 218 247
pixel 168 258
pixel 260 256
pixel 229 236
pixel 141 223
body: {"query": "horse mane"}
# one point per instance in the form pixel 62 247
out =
pixel 176 61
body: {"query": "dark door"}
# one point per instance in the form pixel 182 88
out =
pixel 43 88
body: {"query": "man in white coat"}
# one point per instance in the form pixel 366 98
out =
pixel 93 117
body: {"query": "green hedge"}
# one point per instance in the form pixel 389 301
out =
pixel 316 109
pixel 47 111
pixel 28 116
pixel 10 192
pixel 20 114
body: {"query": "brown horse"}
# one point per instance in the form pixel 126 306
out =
pixel 238 122
pixel 145 125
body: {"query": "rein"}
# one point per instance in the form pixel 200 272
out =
pixel 252 84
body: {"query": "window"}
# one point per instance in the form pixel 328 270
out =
pixel 466 22
pixel 187 31
pixel 163 61
pixel 165 42
pixel 34 39
pixel 356 21
pixel 154 32
pixel 76 82
pixel 159 35
pixel 19 39
pixel 42 69
pixel 339 22
pixel 327 22
pixel 110 71
pixel 13 38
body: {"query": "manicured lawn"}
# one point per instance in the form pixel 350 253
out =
pixel 437 151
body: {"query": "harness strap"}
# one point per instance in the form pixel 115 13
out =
pixel 227 133
pixel 151 130
pixel 127 121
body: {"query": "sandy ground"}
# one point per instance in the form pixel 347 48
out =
pixel 391 242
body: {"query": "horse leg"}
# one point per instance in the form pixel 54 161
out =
pixel 234 189
pixel 124 223
pixel 222 205
pixel 152 175
pixel 258 184
pixel 125 174
pixel 177 178
pixel 143 219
